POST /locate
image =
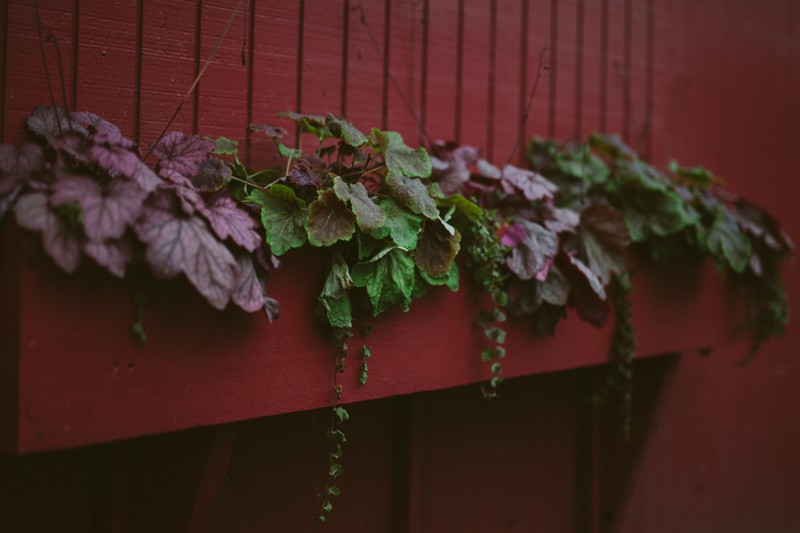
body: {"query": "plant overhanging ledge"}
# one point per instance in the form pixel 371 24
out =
pixel 393 221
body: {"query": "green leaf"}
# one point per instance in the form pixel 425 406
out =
pixel 495 352
pixel 603 241
pixel 314 124
pixel 449 279
pixel 726 240
pixel 283 215
pixel 329 220
pixel 402 225
pixel 436 248
pixel 412 193
pixel 334 301
pixel 341 129
pixel 225 146
pixel 333 490
pixel 401 159
pixel 327 507
pixel 611 146
pixel 287 152
pixel 369 216
pixel 656 212
pixel 468 208
pixel 697 176
pixel 388 279
pixel 342 413
pixel 336 470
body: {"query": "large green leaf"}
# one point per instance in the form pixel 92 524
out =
pixel 388 279
pixel 726 239
pixel 402 159
pixel 652 212
pixel 345 131
pixel 369 216
pixel 334 301
pixel 467 207
pixel 400 224
pixel 412 193
pixel 283 215
pixel 329 220
pixel 449 279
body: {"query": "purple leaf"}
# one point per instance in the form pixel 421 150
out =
pixel 95 123
pixel 181 154
pixel 514 235
pixel 308 171
pixel 488 170
pixel 271 309
pixel 59 239
pixel 114 154
pixel 532 185
pixel 146 178
pixel 113 255
pixel 19 167
pixel 50 122
pixel 276 132
pixel 248 291
pixel 560 220
pixel 534 253
pixel 588 295
pixel 211 175
pixel 228 219
pixel 176 243
pixel 106 214
pixel 8 200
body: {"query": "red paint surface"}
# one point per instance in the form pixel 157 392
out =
pixel 715 450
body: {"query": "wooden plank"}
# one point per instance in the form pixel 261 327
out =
pixel 169 41
pixel 365 79
pixel 565 87
pixel 107 62
pixel 539 49
pixel 591 66
pixel 441 74
pixel 507 80
pixel 475 82
pixel 405 30
pixel 615 65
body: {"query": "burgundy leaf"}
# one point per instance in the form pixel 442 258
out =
pixel 308 171
pixel 113 255
pixel 181 154
pixel 533 186
pixel 436 248
pixel 95 123
pixel 276 132
pixel 19 167
pixel 514 235
pixel 588 295
pixel 50 122
pixel 248 291
pixel 106 214
pixel 532 256
pixel 176 243
pixel 560 220
pixel 60 240
pixel 211 175
pixel 146 178
pixel 271 309
pixel 228 219
pixel 604 241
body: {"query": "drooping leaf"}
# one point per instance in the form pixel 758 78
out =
pixel 400 224
pixel 555 288
pixel 449 279
pixel 113 255
pixel 401 159
pixel 114 155
pixel 467 207
pixel 341 129
pixel 369 216
pixel 412 193
pixel 604 241
pixel 436 249
pixel 308 172
pixel 697 176
pixel 248 287
pixel 229 220
pixel 177 243
pixel 146 178
pixel 106 214
pixel 181 154
pixel 95 123
pixel 274 132
pixel 334 300
pixel 726 239
pixel 271 309
pixel 534 253
pixel 314 124
pixel 52 121
pixel 656 213
pixel 60 239
pixel 329 220
pixel 588 294
pixel 283 215
pixel 388 279
pixel 211 175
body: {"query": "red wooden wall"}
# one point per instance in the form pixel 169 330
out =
pixel 711 83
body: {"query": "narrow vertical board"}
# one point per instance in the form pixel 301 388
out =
pixel 405 64
pixel 501 465
pixel 592 47
pixel 274 79
pixel 222 92
pixel 440 120
pixel 3 37
pixel 475 81
pixel 26 79
pixel 565 85
pixel 107 57
pixel 615 68
pixel 322 57
pixel 538 68
pixel 167 67
pixel 507 83
pixel 640 122
pixel 365 83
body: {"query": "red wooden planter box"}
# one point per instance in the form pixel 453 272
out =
pixel 73 375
